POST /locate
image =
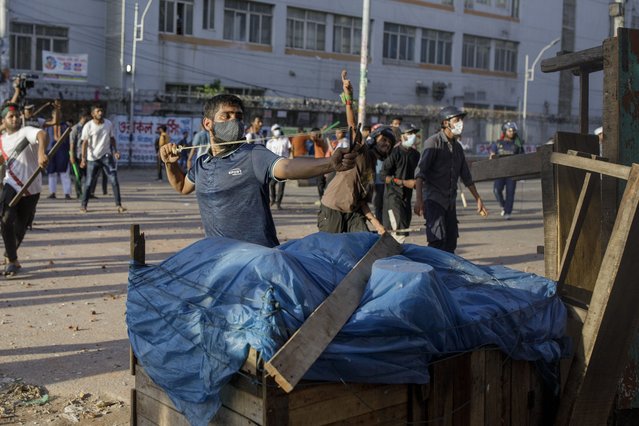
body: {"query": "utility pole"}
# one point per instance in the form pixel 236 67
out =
pixel 617 12
pixel 363 63
pixel 566 79
pixel 138 35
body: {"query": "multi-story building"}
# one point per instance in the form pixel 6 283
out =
pixel 287 55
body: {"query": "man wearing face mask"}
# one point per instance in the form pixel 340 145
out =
pixel 441 164
pixel 231 180
pixel 398 173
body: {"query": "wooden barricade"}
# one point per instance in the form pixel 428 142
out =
pixel 481 388
pixel 484 387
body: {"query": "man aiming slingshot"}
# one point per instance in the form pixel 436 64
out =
pixel 231 180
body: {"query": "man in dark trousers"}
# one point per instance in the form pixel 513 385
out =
pixel 23 151
pixel 441 165
pixel 509 144
pixel 398 174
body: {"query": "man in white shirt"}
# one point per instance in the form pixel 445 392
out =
pixel 278 145
pixel 99 152
pixel 22 151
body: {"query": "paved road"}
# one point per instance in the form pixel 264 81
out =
pixel 62 318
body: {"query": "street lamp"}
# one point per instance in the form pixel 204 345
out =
pixel 530 76
pixel 138 35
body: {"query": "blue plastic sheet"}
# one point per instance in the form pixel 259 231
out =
pixel 192 318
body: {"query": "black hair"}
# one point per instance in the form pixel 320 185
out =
pixel 97 106
pixel 366 128
pixel 162 127
pixel 212 105
pixel 255 117
pixel 315 129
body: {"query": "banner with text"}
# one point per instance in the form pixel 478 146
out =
pixel 145 133
pixel 65 66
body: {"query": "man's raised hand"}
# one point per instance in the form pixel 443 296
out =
pixel 169 153
pixel 343 160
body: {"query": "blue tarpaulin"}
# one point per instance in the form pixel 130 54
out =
pixel 192 318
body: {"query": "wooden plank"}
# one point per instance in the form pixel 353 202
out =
pixel 293 360
pixel 520 388
pixel 325 393
pixel 353 401
pixel 524 165
pixel 584 92
pixel 478 387
pixel 417 398
pixel 442 393
pixel 611 323
pixel 275 408
pixel 395 415
pixel 462 384
pixel 493 387
pixel 244 403
pixel 158 413
pixel 549 208
pixel 588 164
pixel 507 390
pixel 138 254
pixel 575 229
pixel 610 148
pixel 574 324
pixel 591 58
pixel 586 256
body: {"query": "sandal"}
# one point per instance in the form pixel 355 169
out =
pixel 11 269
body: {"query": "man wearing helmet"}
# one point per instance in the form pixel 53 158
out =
pixel 441 165
pixel 509 144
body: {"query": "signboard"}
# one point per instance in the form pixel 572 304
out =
pixel 64 66
pixel 145 133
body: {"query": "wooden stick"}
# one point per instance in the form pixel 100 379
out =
pixel 40 169
pixel 293 360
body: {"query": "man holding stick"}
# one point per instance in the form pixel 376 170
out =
pixel 22 160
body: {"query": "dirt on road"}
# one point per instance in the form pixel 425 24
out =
pixel 64 352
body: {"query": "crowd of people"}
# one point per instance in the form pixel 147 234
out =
pixel 239 174
pixel 73 153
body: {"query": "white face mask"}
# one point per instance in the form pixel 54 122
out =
pixel 277 133
pixel 457 128
pixel 410 141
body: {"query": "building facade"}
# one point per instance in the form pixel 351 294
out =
pixel 286 55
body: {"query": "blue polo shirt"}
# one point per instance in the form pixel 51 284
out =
pixel 232 193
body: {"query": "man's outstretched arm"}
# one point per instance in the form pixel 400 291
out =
pixel 304 168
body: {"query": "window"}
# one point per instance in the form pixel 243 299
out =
pixel 347 35
pixel 437 47
pixel 176 17
pixel 305 29
pixel 399 42
pixel 503 4
pixel 486 2
pixel 208 15
pixel 476 52
pixel 248 21
pixel 29 40
pixel 505 56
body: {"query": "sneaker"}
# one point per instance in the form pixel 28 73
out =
pixel 83 209
pixel 121 209
pixel 93 197
pixel 503 212
pixel 67 196
pixel 51 195
pixel 506 216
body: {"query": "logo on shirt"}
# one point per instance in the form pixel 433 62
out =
pixel 235 172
